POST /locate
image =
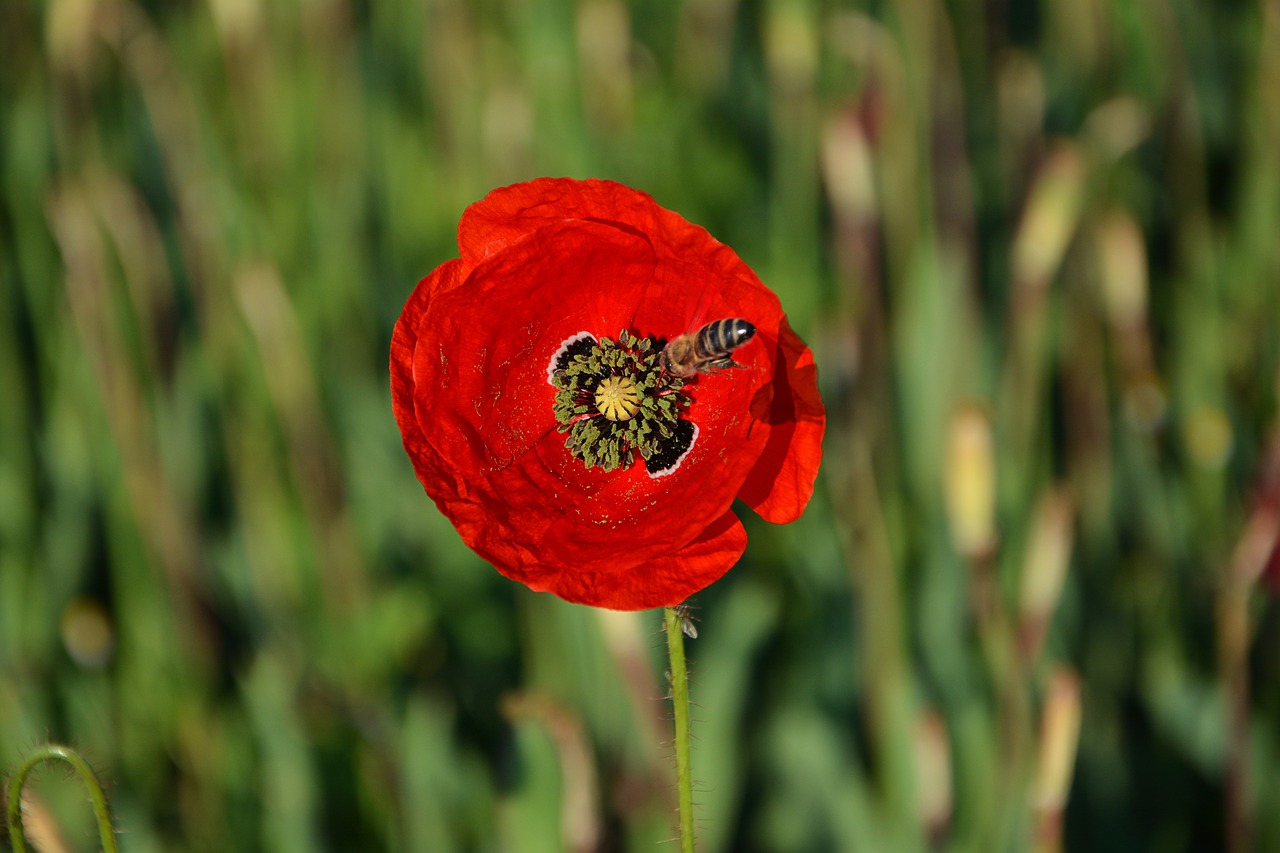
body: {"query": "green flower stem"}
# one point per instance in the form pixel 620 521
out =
pixel 673 621
pixel 54 752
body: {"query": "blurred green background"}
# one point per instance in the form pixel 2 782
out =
pixel 1033 245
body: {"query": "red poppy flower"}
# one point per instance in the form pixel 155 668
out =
pixel 549 420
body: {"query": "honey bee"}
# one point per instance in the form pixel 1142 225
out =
pixel 709 349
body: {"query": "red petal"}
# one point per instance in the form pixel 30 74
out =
pixel 781 483
pixel 509 214
pixel 404 342
pixel 664 581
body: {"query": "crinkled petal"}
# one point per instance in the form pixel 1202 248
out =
pixel 663 581
pixel 781 483
pixel 509 214
pixel 404 343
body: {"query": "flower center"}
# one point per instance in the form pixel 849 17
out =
pixel 618 398
pixel 616 401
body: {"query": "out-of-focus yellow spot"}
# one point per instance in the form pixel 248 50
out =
pixel 970 482
pixel 1118 126
pixel 933 771
pixel 1207 434
pixel 237 19
pixel 1049 218
pixel 1048 555
pixel 1122 268
pixel 87 633
pixel 1059 739
pixel 791 47
pixel 848 169
pixel 69 26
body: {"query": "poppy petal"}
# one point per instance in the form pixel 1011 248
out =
pixel 781 483
pixel 509 214
pixel 404 342
pixel 661 582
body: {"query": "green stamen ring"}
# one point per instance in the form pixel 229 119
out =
pixel 616 402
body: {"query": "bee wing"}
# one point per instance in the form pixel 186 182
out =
pixel 678 298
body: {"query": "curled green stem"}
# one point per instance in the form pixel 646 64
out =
pixel 673 622
pixel 57 752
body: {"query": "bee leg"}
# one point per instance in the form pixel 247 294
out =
pixel 720 365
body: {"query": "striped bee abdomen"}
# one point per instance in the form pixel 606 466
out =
pixel 709 349
pixel 717 340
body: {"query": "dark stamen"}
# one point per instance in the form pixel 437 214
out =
pixel 617 403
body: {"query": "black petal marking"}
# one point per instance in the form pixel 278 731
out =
pixel 672 449
pixel 579 344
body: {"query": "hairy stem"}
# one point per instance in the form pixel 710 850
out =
pixel 57 752
pixel 673 621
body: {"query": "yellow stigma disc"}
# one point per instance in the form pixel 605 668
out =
pixel 618 398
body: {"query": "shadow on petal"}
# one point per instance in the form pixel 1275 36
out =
pixel 781 483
